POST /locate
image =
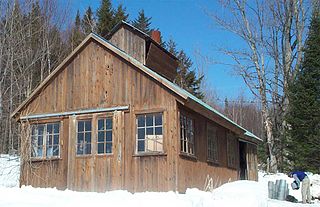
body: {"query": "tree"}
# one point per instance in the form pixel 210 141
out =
pixel 120 15
pixel 143 23
pixel 304 105
pixel 186 77
pixel 272 31
pixel 76 36
pixel 88 23
pixel 105 14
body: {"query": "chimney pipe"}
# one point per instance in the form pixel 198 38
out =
pixel 156 35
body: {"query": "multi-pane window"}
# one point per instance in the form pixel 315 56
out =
pixel 149 133
pixel 84 137
pixel 45 140
pixel 212 144
pixel 105 136
pixel 232 150
pixel 186 134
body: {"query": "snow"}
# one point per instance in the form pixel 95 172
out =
pixel 238 193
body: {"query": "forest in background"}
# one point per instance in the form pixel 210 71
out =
pixel 35 36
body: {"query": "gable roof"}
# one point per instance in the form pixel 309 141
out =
pixel 139 33
pixel 168 84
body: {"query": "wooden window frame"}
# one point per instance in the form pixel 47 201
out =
pixel 153 126
pixel 84 119
pixel 212 144
pixel 187 144
pixel 45 135
pixel 105 130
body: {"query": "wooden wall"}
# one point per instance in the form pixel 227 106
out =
pixel 252 161
pixel 96 78
pixel 50 173
pixel 192 172
pixel 132 44
pixel 161 62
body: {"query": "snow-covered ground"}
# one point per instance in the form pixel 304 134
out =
pixel 239 193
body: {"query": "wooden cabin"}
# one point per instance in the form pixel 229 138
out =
pixel 110 117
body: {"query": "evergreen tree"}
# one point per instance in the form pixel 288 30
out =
pixel 120 15
pixel 304 107
pixel 76 34
pixel 105 14
pixel 186 77
pixel 87 23
pixel 143 23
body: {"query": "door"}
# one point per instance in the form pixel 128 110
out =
pixel 243 160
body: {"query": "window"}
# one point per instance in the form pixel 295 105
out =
pixel 186 134
pixel 212 144
pixel 149 133
pixel 104 136
pixel 45 140
pixel 232 150
pixel 84 137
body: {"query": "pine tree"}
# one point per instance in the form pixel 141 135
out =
pixel 186 77
pixel 87 23
pixel 120 15
pixel 76 34
pixel 143 23
pixel 105 14
pixel 304 107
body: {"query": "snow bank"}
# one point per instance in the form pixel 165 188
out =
pixel 238 193
pixel 9 171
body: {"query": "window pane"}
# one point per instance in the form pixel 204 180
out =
pixel 40 129
pixel 158 130
pixel 40 140
pixel 141 121
pixel 149 120
pixel 101 124
pixel 109 123
pixel 49 151
pixel 108 148
pixel 88 125
pixel 39 152
pixel 100 148
pixel 79 149
pixel 49 128
pixel 101 136
pixel 88 149
pixel 158 119
pixel 141 146
pixel 150 131
pixel 56 128
pixel 80 126
pixel 109 136
pixel 141 133
pixel 80 138
pixel 56 139
pixel 55 150
pixel 49 140
pixel 88 137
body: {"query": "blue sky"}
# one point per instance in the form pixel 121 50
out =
pixel 186 22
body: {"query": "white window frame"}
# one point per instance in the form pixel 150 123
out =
pixel 105 130
pixel 84 143
pixel 154 140
pixel 45 140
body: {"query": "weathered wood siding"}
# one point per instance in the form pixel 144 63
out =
pixel 192 172
pixel 49 173
pixel 96 78
pixel 161 62
pixel 131 43
pixel 252 162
